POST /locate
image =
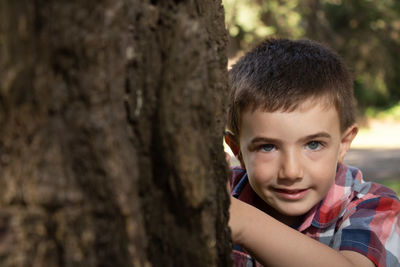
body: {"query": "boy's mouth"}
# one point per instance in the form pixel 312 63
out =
pixel 291 194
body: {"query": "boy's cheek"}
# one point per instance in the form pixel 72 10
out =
pixel 260 173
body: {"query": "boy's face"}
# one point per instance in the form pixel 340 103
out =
pixel 291 157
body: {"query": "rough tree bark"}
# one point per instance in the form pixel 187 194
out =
pixel 111 117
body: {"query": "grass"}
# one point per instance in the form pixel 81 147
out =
pixel 392 113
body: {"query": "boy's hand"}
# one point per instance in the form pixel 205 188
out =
pixel 228 159
pixel 234 209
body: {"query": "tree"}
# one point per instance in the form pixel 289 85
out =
pixel 111 117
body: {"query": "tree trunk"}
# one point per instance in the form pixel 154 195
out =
pixel 111 118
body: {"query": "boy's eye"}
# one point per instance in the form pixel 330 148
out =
pixel 314 145
pixel 267 147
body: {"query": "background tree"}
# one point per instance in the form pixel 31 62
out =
pixel 111 117
pixel 366 33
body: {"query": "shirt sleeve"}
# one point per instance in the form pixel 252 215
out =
pixel 372 228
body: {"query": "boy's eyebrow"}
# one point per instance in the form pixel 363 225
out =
pixel 317 135
pixel 260 139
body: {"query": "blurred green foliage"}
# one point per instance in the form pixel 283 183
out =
pixel 394 184
pixel 365 32
pixel 392 113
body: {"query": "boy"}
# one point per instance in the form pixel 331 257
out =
pixel 290 124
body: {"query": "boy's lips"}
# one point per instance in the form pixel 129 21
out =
pixel 291 194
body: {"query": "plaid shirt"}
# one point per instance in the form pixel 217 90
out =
pixel 355 215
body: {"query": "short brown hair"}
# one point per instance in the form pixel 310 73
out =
pixel 280 74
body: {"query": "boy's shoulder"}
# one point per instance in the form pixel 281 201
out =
pixel 362 216
pixel 350 181
pixel 369 200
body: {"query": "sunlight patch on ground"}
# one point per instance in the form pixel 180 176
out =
pixel 379 134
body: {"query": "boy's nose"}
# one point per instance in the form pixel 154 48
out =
pixel 291 168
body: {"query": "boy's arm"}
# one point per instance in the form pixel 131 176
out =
pixel 275 244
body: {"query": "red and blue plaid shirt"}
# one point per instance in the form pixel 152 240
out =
pixel 355 215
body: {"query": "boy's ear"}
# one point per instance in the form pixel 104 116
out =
pixel 235 147
pixel 230 141
pixel 347 138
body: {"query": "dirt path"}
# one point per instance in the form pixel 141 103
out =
pixel 376 150
pixel 376 164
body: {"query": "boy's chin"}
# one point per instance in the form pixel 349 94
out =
pixel 289 215
pixel 295 211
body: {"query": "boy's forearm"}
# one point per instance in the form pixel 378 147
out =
pixel 275 244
